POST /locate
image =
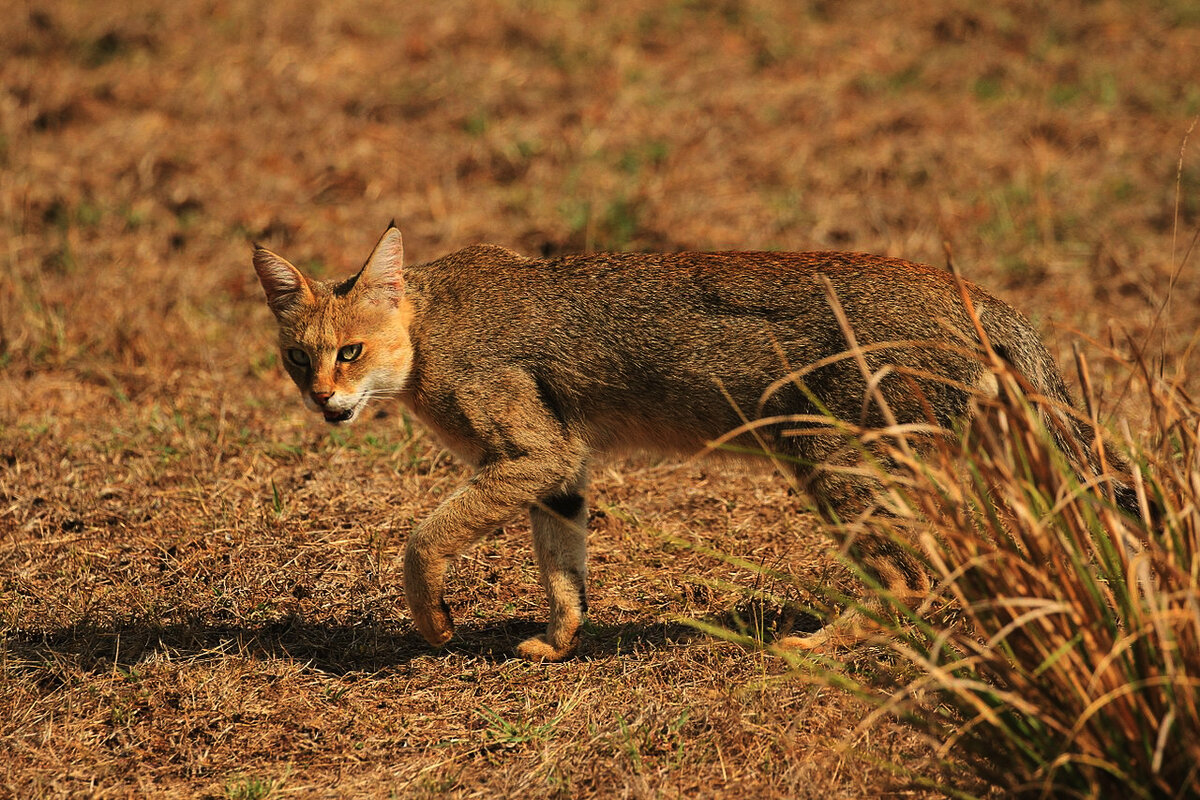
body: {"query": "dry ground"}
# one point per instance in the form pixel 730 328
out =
pixel 199 592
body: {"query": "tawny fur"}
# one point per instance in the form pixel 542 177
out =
pixel 529 368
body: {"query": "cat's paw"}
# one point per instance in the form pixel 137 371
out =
pixel 536 648
pixel 843 633
pixel 818 642
pixel 435 624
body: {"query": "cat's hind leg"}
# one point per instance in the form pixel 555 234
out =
pixel 848 496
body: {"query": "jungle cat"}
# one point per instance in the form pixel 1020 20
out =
pixel 528 369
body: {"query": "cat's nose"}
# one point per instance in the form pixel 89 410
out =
pixel 321 397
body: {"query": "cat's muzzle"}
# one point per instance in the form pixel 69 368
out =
pixel 338 416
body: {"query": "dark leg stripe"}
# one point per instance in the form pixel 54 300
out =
pixel 577 579
pixel 565 505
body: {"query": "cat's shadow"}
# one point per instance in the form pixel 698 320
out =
pixel 334 648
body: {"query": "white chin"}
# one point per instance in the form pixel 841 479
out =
pixel 343 416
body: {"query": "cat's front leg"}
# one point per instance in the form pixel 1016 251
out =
pixel 424 587
pixel 496 494
pixel 482 506
pixel 560 544
pixel 528 455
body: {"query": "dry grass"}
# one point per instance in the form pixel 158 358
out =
pixel 198 588
pixel 1065 658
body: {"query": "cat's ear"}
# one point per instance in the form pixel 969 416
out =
pixel 383 274
pixel 282 282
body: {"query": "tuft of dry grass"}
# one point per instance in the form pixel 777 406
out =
pixel 1060 653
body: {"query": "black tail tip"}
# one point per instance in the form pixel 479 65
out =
pixel 1127 501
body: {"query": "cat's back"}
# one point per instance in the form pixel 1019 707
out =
pixel 493 279
pixel 482 265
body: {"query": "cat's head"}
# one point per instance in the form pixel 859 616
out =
pixel 342 343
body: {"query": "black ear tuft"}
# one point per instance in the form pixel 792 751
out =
pixel 391 224
pixel 257 246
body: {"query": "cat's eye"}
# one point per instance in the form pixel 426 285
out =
pixel 298 357
pixel 349 352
